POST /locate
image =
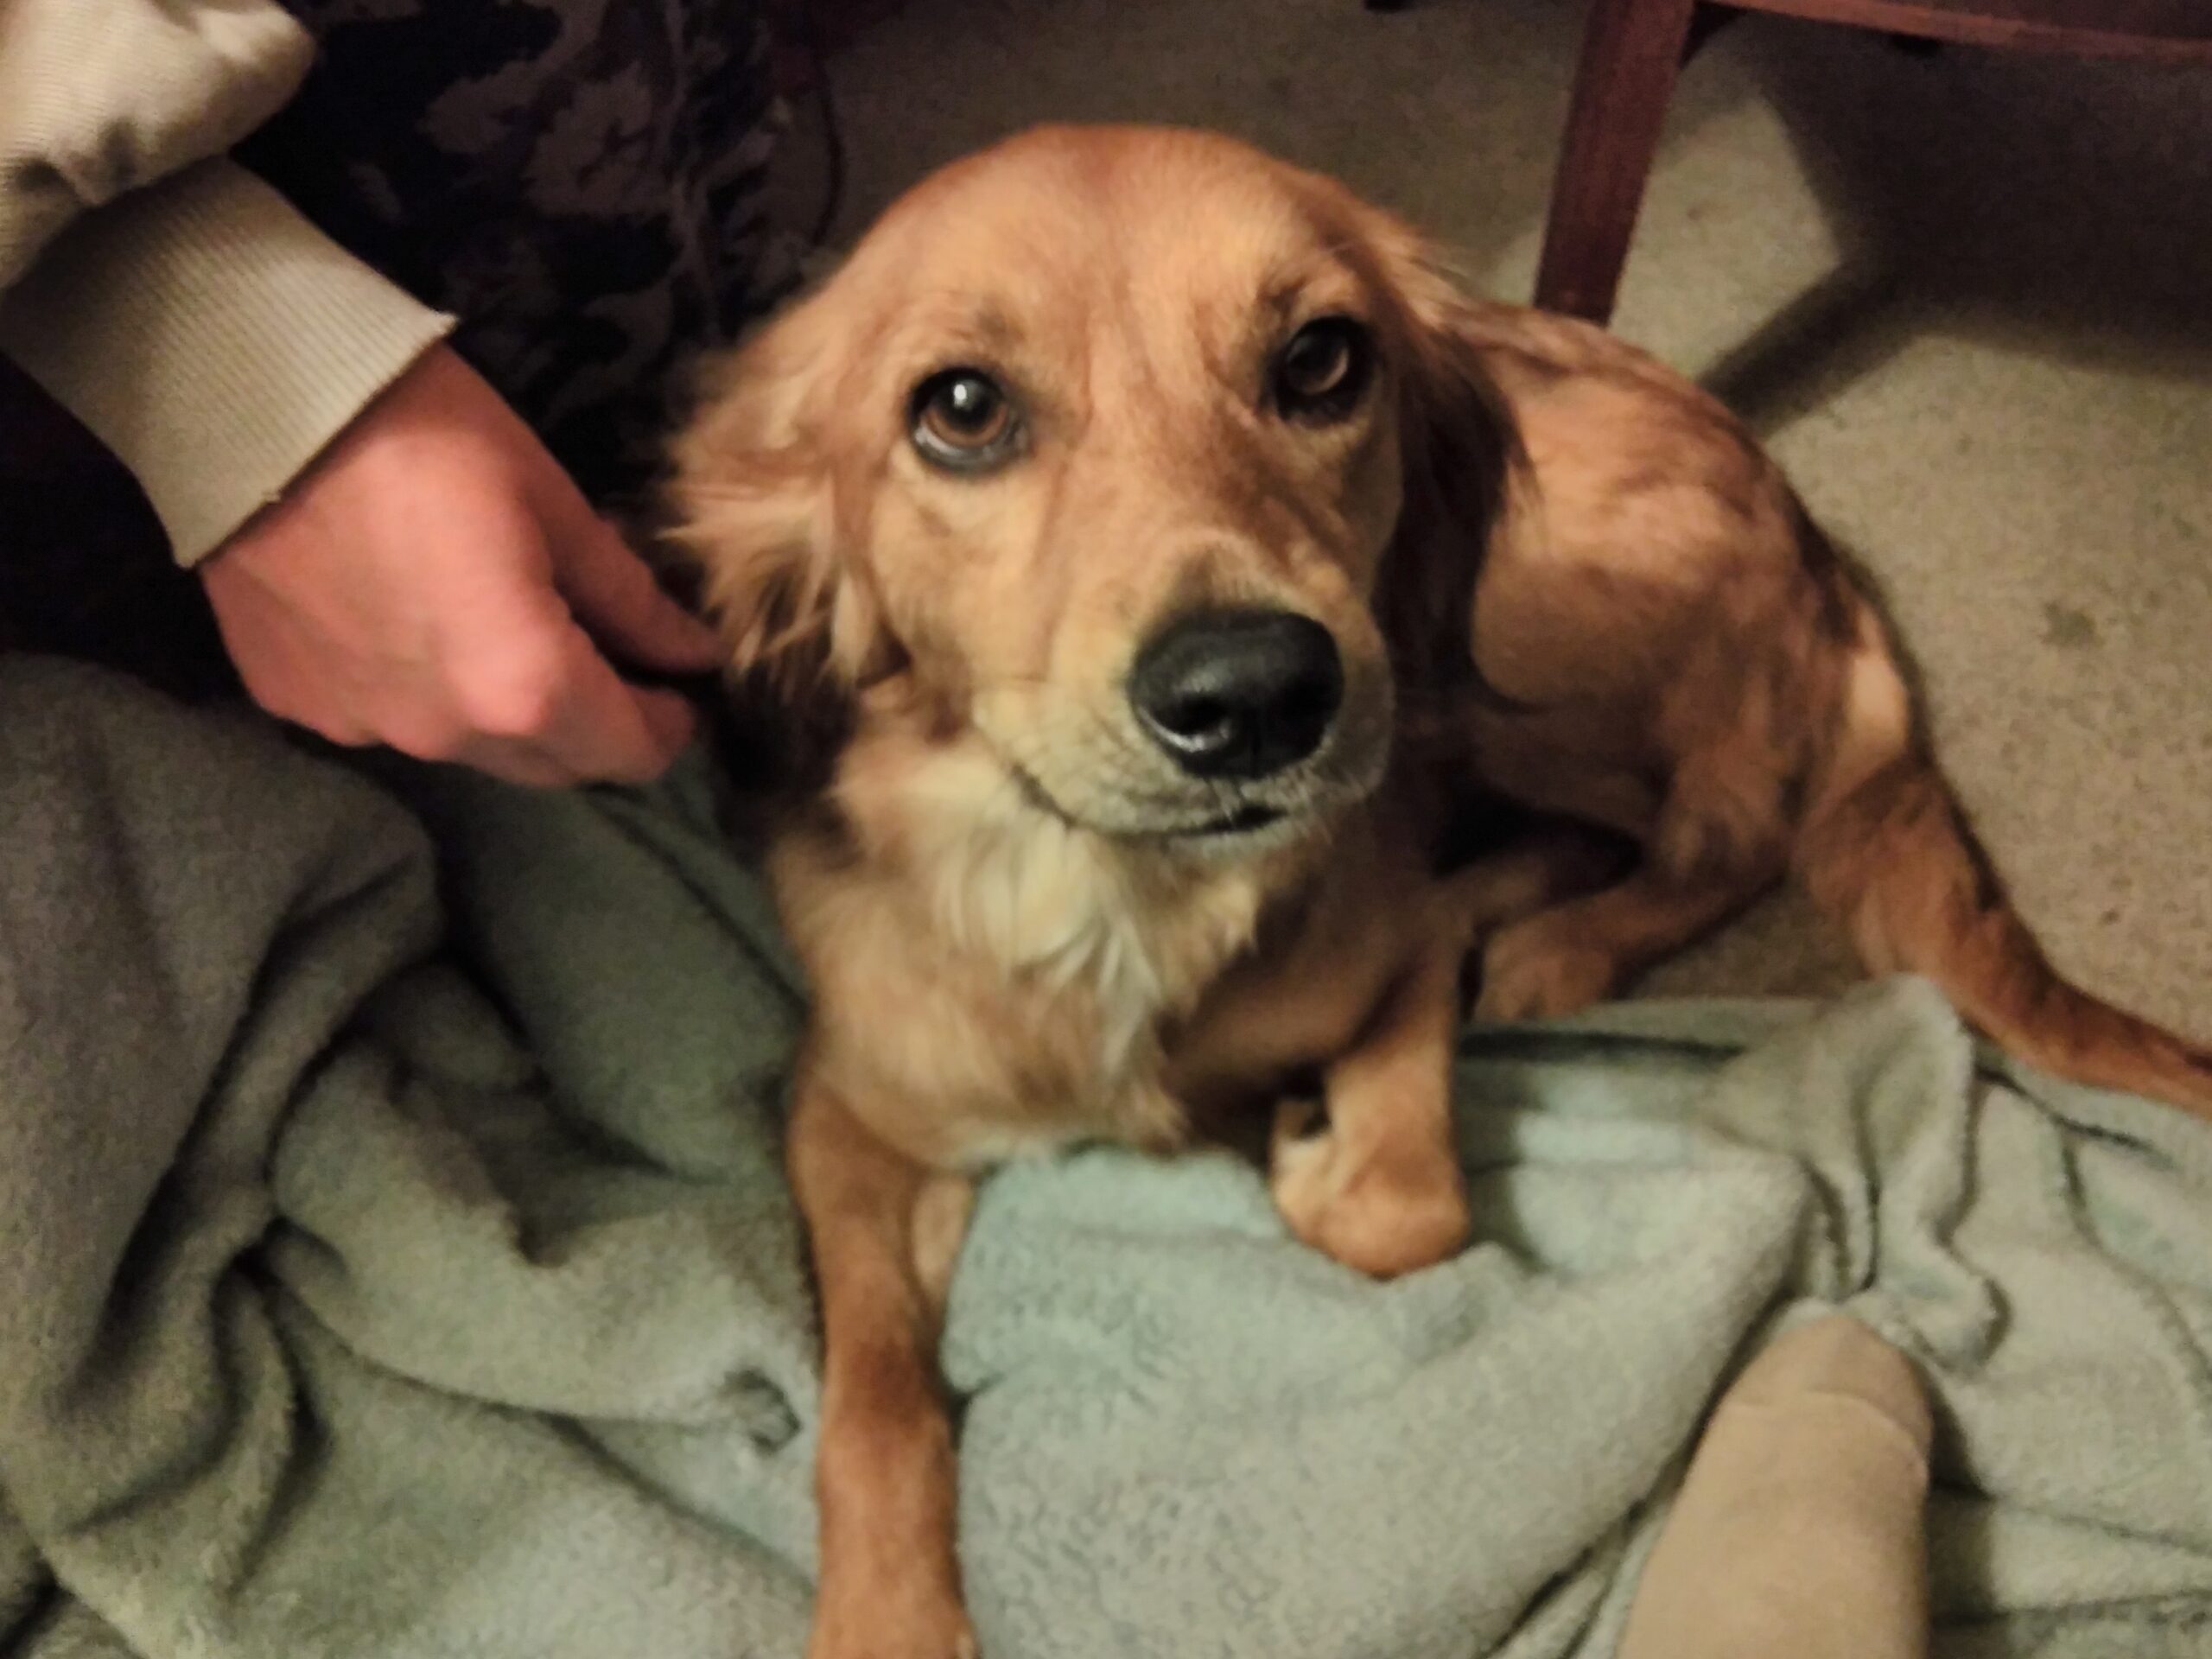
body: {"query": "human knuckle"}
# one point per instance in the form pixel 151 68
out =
pixel 519 697
pixel 427 737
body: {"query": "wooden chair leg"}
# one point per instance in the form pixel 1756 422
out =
pixel 1631 51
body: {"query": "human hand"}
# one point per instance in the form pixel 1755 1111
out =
pixel 435 581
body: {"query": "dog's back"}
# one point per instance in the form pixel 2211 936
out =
pixel 1696 665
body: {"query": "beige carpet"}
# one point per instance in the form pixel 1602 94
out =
pixel 1967 298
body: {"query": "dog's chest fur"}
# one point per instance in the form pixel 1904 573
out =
pixel 989 981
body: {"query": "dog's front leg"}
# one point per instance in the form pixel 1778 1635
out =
pixel 885 1232
pixel 1378 1185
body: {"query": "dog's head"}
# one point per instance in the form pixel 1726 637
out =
pixel 1157 464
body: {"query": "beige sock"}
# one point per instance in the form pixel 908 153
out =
pixel 1800 1529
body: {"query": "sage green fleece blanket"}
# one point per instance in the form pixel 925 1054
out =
pixel 389 1274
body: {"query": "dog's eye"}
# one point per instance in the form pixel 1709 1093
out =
pixel 1320 373
pixel 962 419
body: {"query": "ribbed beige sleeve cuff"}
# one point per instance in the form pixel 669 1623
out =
pixel 212 339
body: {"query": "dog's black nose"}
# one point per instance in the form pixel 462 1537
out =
pixel 1238 694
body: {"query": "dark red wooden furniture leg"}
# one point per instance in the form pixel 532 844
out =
pixel 1631 50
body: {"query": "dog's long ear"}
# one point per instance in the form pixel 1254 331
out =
pixel 756 512
pixel 1463 459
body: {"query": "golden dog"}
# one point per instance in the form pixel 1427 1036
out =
pixel 1157 554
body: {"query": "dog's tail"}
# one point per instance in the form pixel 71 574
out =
pixel 1887 850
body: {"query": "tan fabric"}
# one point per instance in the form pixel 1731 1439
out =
pixel 213 339
pixel 102 96
pixel 198 325
pixel 1800 1529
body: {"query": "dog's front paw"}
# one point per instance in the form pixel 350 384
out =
pixel 924 1626
pixel 1530 973
pixel 1381 1218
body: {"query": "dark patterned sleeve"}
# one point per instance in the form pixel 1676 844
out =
pixel 580 182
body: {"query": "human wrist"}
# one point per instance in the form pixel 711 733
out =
pixel 213 339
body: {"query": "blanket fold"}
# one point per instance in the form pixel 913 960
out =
pixel 394 1260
